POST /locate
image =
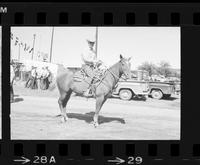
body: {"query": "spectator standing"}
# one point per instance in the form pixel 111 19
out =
pixel 39 77
pixel 30 78
pixel 34 78
pixel 48 77
pixel 42 83
pixel 45 76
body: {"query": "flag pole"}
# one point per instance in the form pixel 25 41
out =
pixel 33 45
pixel 96 41
pixel 19 53
pixel 52 35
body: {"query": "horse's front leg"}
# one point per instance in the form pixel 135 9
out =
pixel 95 118
pixel 65 117
pixel 99 103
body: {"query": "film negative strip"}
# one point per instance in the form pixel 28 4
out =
pixel 128 70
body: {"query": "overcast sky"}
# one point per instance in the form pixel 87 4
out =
pixel 152 44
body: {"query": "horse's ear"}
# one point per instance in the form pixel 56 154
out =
pixel 121 56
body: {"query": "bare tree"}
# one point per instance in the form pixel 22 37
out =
pixel 149 67
pixel 164 68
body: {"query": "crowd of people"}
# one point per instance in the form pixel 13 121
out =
pixel 39 78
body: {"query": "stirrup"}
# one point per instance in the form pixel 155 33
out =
pixel 86 93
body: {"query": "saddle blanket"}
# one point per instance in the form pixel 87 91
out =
pixel 81 75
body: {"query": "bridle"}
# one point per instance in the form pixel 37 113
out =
pixel 114 75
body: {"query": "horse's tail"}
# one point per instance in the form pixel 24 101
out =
pixel 61 70
pixel 54 78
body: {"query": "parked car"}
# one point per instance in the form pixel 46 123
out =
pixel 177 87
pixel 158 90
pixel 127 89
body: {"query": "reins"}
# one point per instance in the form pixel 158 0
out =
pixel 101 80
pixel 114 75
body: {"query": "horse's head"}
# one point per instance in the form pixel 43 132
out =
pixel 126 66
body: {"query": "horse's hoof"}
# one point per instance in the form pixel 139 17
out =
pixel 64 120
pixel 95 125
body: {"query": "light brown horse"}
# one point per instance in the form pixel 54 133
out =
pixel 102 90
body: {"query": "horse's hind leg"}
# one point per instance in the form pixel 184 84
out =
pixel 62 101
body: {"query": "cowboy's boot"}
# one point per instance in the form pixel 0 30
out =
pixel 87 92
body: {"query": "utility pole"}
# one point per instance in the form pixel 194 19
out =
pixel 52 35
pixel 34 35
pixel 96 41
pixel 19 53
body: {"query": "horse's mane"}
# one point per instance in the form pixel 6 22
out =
pixel 112 66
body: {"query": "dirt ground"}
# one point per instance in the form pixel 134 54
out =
pixel 34 115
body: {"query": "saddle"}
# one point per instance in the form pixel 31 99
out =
pixel 99 74
pixel 81 75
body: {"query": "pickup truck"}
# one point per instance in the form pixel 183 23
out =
pixel 126 90
pixel 158 90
